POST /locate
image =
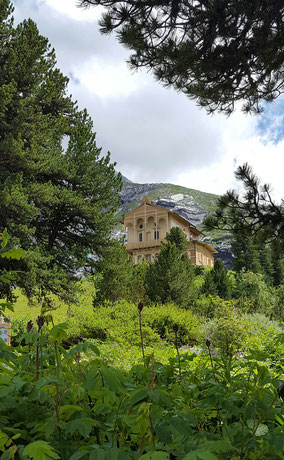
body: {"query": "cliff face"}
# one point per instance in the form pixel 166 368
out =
pixel 191 204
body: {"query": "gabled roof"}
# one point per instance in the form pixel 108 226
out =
pixel 145 200
pixel 205 245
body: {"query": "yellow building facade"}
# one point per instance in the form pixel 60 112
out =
pixel 146 227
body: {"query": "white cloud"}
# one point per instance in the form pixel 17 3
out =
pixel 154 134
pixel 70 8
pixel 242 144
pixel 109 81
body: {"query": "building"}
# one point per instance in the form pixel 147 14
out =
pixel 146 227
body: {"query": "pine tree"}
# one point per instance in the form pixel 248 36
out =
pixel 246 253
pixel 177 237
pixel 169 279
pixel 116 272
pixel 254 220
pixel 58 204
pixel 138 288
pixel 217 281
pixel 217 52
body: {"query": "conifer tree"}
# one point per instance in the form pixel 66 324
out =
pixel 246 253
pixel 217 52
pixel 256 223
pixel 169 279
pixel 177 237
pixel 58 204
pixel 116 274
pixel 217 281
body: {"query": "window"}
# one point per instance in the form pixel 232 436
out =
pixel 148 258
pixel 140 236
pixel 141 226
pixel 156 235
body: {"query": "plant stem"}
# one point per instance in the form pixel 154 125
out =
pixel 140 308
pixel 175 328
pixel 153 375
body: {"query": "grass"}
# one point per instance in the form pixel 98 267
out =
pixel 61 312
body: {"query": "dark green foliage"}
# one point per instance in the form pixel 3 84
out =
pixel 57 203
pixel 209 287
pixel 116 273
pixel 254 254
pixel 169 279
pixel 206 304
pixel 192 408
pixel 138 288
pixel 216 52
pixel 256 224
pixel 217 281
pixel 253 214
pixel 246 253
pixel 177 237
pixel 253 294
pixel 279 304
pixel 72 404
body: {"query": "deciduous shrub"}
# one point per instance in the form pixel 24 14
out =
pixel 227 330
pixel 161 319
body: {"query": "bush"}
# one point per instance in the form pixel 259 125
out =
pixel 114 322
pixel 261 332
pixel 206 305
pixel 161 319
pixel 254 296
pixel 119 322
pixel 227 330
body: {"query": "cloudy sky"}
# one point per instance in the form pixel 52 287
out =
pixel 153 133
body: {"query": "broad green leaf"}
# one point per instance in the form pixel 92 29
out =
pixel 206 455
pixel 40 450
pixel 3 440
pixel 4 391
pixel 261 430
pixel 137 396
pixel 258 355
pixel 59 332
pixel 279 420
pixel 6 305
pixel 111 378
pixel 157 455
pixel 82 348
pixel 5 238
pixel 218 446
pixel 97 454
pixel 94 348
pixel 78 455
pixel 68 410
pixel 82 425
pixel 200 454
pixel 16 254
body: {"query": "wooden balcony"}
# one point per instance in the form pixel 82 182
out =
pixel 143 245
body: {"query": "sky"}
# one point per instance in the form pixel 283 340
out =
pixel 155 134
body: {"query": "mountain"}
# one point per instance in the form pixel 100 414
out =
pixel 191 204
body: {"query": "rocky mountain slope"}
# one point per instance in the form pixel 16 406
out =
pixel 191 204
